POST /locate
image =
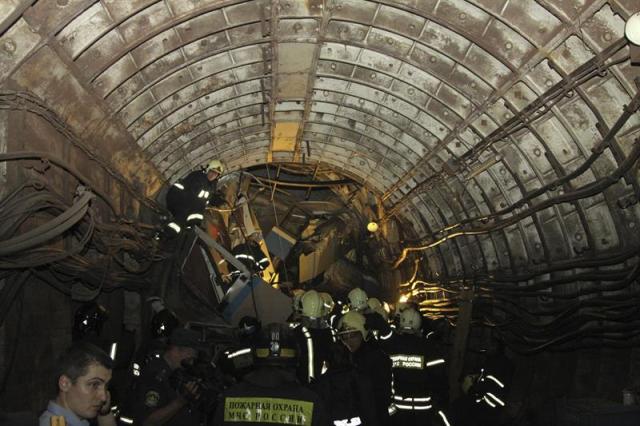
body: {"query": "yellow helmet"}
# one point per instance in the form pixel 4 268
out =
pixel 376 306
pixel 296 300
pixel 358 299
pixel 353 321
pixel 410 320
pixel 312 304
pixel 374 303
pixel 216 166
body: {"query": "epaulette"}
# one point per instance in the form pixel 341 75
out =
pixel 58 421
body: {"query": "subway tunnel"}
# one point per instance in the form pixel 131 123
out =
pixel 478 158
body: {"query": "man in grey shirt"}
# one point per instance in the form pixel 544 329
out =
pixel 82 378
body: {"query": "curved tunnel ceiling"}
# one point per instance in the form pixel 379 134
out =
pixel 450 110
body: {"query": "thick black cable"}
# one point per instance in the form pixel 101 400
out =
pixel 14 352
pixel 49 230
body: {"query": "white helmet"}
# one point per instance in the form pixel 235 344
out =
pixel 410 320
pixel 328 303
pixel 216 166
pixel 353 321
pixel 312 304
pixel 358 299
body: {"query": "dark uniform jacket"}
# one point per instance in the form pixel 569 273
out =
pixel 419 370
pixel 318 340
pixel 493 383
pixel 190 195
pixel 419 381
pixel 270 396
pixel 153 391
pixel 376 323
pixel 486 401
pixel 373 362
pixel 348 395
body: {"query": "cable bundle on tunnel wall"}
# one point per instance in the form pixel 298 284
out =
pixel 71 242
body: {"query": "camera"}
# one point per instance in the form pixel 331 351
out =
pixel 207 379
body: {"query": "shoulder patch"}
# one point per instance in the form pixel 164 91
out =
pixel 151 399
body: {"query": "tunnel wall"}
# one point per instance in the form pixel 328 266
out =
pixel 550 382
pixel 37 328
pixel 36 331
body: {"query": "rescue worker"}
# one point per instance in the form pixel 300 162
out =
pixel 347 393
pixel 369 359
pixel 485 399
pixel 357 300
pixel 328 305
pixel 238 360
pixel 377 319
pixel 270 394
pixel 88 321
pixel 163 322
pixel 314 337
pixel 296 305
pixel 419 375
pixel 82 380
pixel 188 198
pixel 374 305
pixel 251 255
pixel 155 401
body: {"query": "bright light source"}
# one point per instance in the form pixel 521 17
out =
pixel 372 227
pixel 403 299
pixel 632 29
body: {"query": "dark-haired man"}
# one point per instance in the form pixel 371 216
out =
pixel 82 379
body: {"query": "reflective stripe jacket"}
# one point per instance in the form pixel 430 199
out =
pixel 348 396
pixel 188 198
pixel 419 373
pixel 314 344
pixel 270 396
pixel 493 381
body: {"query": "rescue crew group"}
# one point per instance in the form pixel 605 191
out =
pixel 344 365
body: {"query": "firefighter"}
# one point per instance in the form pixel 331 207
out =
pixel 347 393
pixel 369 359
pixel 270 394
pixel 485 399
pixel 419 375
pixel 377 319
pixel 358 300
pixel 328 305
pixel 314 337
pixel 238 361
pixel 296 305
pixel 87 323
pixel 250 255
pixel 188 198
